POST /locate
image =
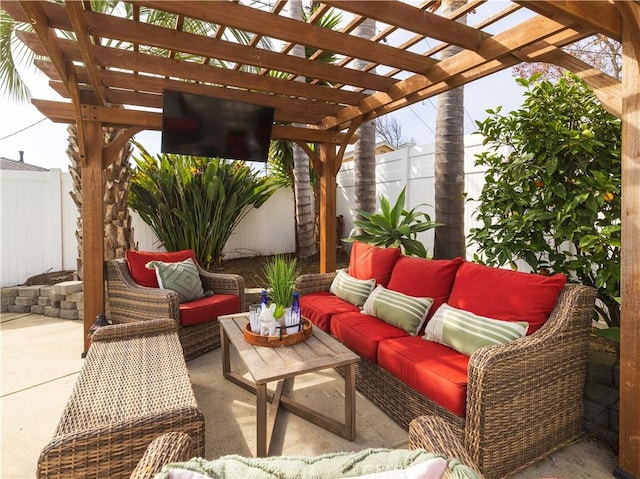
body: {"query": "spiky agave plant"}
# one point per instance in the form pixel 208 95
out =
pixel 394 227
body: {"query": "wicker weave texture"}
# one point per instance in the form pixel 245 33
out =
pixel 524 398
pixel 130 302
pixel 170 447
pixel 433 434
pixel 128 392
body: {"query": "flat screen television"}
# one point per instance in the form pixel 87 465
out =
pixel 199 125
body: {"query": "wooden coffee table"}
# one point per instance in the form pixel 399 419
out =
pixel 283 364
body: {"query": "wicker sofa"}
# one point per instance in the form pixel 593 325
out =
pixel 510 404
pixel 133 386
pixel 428 432
pixel 135 296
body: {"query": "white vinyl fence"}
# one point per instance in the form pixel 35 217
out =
pixel 413 166
pixel 38 216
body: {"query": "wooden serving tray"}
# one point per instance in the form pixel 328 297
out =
pixel 277 341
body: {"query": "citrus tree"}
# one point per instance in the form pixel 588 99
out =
pixel 552 188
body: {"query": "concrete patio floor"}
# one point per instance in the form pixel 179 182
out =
pixel 40 360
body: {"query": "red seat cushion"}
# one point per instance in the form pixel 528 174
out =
pixel 369 261
pixel 147 277
pixel 363 333
pixel 208 308
pixel 436 371
pixel 320 306
pixel 425 278
pixel 505 294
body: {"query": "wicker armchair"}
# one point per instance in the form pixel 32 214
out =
pixel 130 302
pixel 429 433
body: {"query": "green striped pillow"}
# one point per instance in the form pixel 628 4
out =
pixel 181 277
pixel 350 289
pixel 397 309
pixel 466 332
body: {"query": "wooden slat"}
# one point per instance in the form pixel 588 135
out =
pixel 288 110
pixel 404 16
pixel 246 18
pixel 207 46
pixel 161 66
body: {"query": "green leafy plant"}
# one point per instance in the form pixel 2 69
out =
pixel 195 203
pixel 280 273
pixel 552 192
pixel 394 226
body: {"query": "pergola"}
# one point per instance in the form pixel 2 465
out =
pixel 112 70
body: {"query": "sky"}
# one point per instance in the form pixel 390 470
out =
pixel 24 128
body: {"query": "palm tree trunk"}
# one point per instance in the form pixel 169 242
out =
pixel 449 162
pixel 305 205
pixel 118 234
pixel 365 147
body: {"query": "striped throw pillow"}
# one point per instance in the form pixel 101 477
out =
pixel 181 277
pixel 350 289
pixel 466 332
pixel 397 309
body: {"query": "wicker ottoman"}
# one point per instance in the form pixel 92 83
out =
pixel 133 386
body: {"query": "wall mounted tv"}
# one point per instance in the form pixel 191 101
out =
pixel 200 125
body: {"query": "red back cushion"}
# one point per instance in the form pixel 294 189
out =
pixel 505 294
pixel 425 278
pixel 368 261
pixel 147 277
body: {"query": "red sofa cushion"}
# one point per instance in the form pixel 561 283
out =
pixel 369 261
pixel 505 294
pixel 363 333
pixel 137 261
pixel 432 369
pixel 425 278
pixel 208 308
pixel 320 306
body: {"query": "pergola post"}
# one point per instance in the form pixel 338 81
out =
pixel 629 435
pixel 92 225
pixel 328 240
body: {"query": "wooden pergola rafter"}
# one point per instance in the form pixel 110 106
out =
pixel 111 71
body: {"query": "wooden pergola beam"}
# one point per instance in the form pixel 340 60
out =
pixel 629 453
pixel 79 24
pixel 600 15
pixel 62 112
pixel 403 15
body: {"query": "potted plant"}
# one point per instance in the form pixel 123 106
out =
pixel 280 273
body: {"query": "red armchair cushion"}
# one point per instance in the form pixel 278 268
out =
pixel 363 333
pixel 137 261
pixel 369 261
pixel 425 278
pixel 430 368
pixel 208 308
pixel 505 294
pixel 320 306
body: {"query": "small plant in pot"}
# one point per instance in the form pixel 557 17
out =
pixel 280 273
